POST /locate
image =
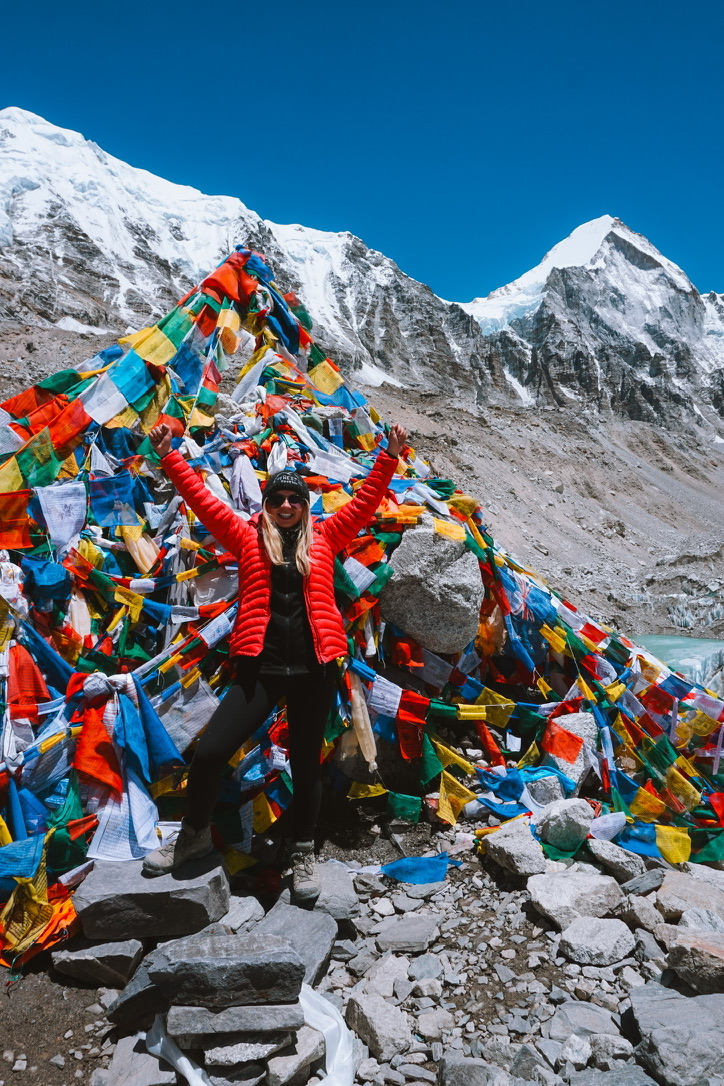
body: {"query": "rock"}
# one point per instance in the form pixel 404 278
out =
pixel 576 1051
pixel 368 1069
pixel 245 1048
pixel 408 934
pixel 432 1024
pixel 311 934
pixel 607 1049
pixel 546 790
pixel 630 1075
pixel 139 999
pixel 244 1074
pixel 383 1027
pixel 525 1062
pixel 515 848
pixel 383 973
pixel 639 912
pixel 584 726
pixel 584 1019
pixel 698 958
pixel 455 1070
pixel 435 591
pixel 424 890
pixel 702 920
pixel 132 1065
pixel 223 970
pixel 430 988
pixel 589 940
pixel 255 1018
pixel 107 964
pixel 292 1064
pixel 679 892
pixel 623 865
pixel 644 884
pixel 426 967
pixel 116 901
pixel 242 914
pixel 338 897
pixel 681 1038
pixel 565 824
pixel 648 949
pixel 563 897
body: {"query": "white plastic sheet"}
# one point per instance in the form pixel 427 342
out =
pixel 160 1045
pixel 321 1015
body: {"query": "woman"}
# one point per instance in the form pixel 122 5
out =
pixel 286 639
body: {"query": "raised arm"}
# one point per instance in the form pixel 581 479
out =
pixel 220 519
pixel 341 528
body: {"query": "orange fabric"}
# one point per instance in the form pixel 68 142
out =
pixel 72 421
pixel 26 685
pixel 561 743
pixel 14 521
pixel 94 753
pixel 25 402
pixel 491 748
pixel 63 924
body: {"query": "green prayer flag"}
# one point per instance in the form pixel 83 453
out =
pixel 430 764
pixel 407 808
pixel 38 464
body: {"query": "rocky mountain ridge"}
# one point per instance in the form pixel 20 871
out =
pixel 604 323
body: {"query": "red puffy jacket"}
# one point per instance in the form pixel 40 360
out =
pixel 243 539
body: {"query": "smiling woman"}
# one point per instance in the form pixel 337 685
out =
pixel 287 639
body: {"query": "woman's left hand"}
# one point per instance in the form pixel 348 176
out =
pixel 396 440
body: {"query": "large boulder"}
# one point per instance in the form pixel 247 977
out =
pixel 584 1019
pixel 564 896
pixel 117 901
pixel 681 1037
pixel 435 591
pixel 623 865
pixel 108 964
pixel 251 1018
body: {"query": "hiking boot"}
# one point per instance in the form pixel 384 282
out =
pixel 305 881
pixel 189 844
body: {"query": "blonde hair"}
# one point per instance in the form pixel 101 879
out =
pixel 274 544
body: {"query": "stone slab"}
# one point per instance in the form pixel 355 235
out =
pixel 679 893
pixel 108 965
pixel 338 897
pixel 117 901
pixel 292 1064
pixel 411 934
pixel 138 1000
pixel 245 1048
pixel 566 895
pixel 132 1065
pixel 384 1028
pixel 223 970
pixel 311 934
pixel 254 1018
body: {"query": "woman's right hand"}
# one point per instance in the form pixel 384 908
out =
pixel 160 438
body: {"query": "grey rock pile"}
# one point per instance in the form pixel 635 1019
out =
pixel 606 969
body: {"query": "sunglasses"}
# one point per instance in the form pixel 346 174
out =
pixel 276 501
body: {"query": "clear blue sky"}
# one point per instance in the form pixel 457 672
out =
pixel 462 139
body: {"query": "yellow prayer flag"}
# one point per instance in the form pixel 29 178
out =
pixel 450 529
pixel 334 500
pixel 152 345
pixel 132 600
pixel 262 816
pixel 5 838
pixel 11 479
pixel 325 378
pixel 646 807
pixel 615 690
pixel 554 638
pixel 453 797
pixel 365 791
pixel 449 757
pixel 673 843
pixel 685 792
pixel 237 861
pixel 530 757
pixel 544 687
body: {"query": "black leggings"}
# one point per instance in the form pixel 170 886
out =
pixel 244 708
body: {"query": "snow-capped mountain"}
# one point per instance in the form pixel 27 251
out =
pixel 603 321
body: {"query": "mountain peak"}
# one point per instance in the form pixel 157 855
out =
pixel 581 249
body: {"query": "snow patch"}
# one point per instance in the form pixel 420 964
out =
pixel 372 376
pixel 70 324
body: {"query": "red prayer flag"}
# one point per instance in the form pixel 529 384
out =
pixel 94 753
pixel 561 743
